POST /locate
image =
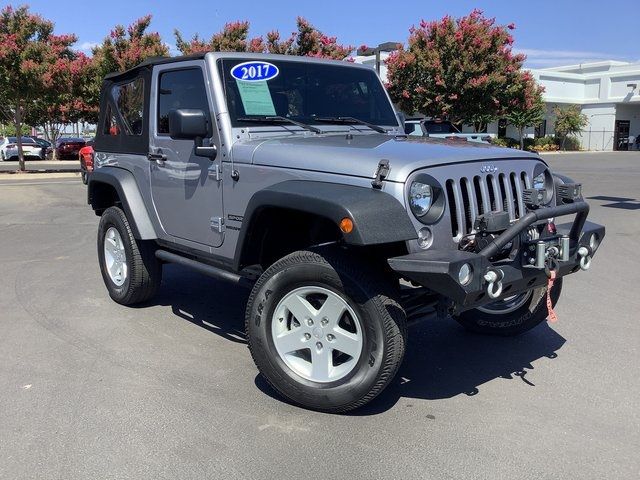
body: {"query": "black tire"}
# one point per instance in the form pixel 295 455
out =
pixel 529 315
pixel 383 329
pixel 144 269
pixel 83 176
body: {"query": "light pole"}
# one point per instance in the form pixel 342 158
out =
pixel 383 47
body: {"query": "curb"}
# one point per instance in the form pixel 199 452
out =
pixel 35 172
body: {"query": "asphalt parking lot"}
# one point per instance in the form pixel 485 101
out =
pixel 90 389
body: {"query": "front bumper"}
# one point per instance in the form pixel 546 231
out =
pixel 438 269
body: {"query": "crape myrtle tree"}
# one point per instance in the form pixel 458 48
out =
pixel 122 49
pixel 460 69
pixel 307 40
pixel 525 108
pixel 232 38
pixel 33 65
pixel 569 121
pixel 65 100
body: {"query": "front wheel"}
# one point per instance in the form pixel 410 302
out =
pixel 324 332
pixel 512 315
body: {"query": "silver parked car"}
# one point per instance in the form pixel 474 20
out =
pixel 294 176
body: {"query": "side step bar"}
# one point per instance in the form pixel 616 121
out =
pixel 204 268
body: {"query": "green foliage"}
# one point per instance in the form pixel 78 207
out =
pixel 569 122
pixel 9 130
pixel 505 142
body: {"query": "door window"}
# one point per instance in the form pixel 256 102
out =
pixel 183 88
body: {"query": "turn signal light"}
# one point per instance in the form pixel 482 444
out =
pixel 346 225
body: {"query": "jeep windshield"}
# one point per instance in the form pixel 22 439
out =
pixel 266 92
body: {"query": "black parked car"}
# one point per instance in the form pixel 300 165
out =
pixel 47 147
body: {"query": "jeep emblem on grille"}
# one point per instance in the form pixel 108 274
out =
pixel 488 169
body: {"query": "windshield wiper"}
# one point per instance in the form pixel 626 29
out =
pixel 348 120
pixel 278 119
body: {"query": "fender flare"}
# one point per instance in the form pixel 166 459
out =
pixel 124 183
pixel 377 216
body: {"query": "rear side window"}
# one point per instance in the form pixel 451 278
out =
pixel 110 123
pixel 183 88
pixel 129 97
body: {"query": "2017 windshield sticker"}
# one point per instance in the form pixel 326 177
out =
pixel 254 71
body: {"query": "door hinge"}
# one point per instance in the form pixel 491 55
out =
pixel 217 224
pixel 215 171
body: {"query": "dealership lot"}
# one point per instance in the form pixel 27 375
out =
pixel 91 389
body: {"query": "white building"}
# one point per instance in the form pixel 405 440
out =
pixel 608 93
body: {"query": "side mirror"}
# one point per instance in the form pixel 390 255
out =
pixel 187 124
pixel 191 124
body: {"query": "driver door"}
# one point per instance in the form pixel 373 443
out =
pixel 186 192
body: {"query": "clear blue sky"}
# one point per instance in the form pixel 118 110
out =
pixel 551 33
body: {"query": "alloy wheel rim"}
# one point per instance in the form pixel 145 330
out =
pixel 115 257
pixel 317 334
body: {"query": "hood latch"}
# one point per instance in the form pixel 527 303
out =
pixel 381 173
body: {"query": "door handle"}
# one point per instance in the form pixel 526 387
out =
pixel 159 158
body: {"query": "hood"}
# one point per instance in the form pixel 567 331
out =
pixel 359 155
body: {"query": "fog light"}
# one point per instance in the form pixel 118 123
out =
pixel 465 274
pixel 594 241
pixel 425 238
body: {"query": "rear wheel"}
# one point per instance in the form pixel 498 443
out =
pixel 324 332
pixel 130 270
pixel 512 315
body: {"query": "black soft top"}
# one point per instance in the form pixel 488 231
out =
pixel 150 62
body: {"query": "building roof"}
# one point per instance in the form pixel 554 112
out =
pixel 593 67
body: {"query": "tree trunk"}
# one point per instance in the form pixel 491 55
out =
pixel 18 125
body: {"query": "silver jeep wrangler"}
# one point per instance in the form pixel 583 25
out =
pixel 294 176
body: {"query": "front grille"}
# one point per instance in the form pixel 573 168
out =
pixel 469 197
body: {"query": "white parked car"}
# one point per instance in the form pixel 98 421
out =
pixel 443 129
pixel 9 148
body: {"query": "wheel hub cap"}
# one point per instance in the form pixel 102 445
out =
pixel 317 334
pixel 115 257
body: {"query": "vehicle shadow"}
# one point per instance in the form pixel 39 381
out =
pixel 442 359
pixel 214 305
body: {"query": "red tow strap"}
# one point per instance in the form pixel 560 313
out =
pixel 553 318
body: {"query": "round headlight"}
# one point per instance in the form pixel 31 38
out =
pixel 465 274
pixel 420 198
pixel 544 181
